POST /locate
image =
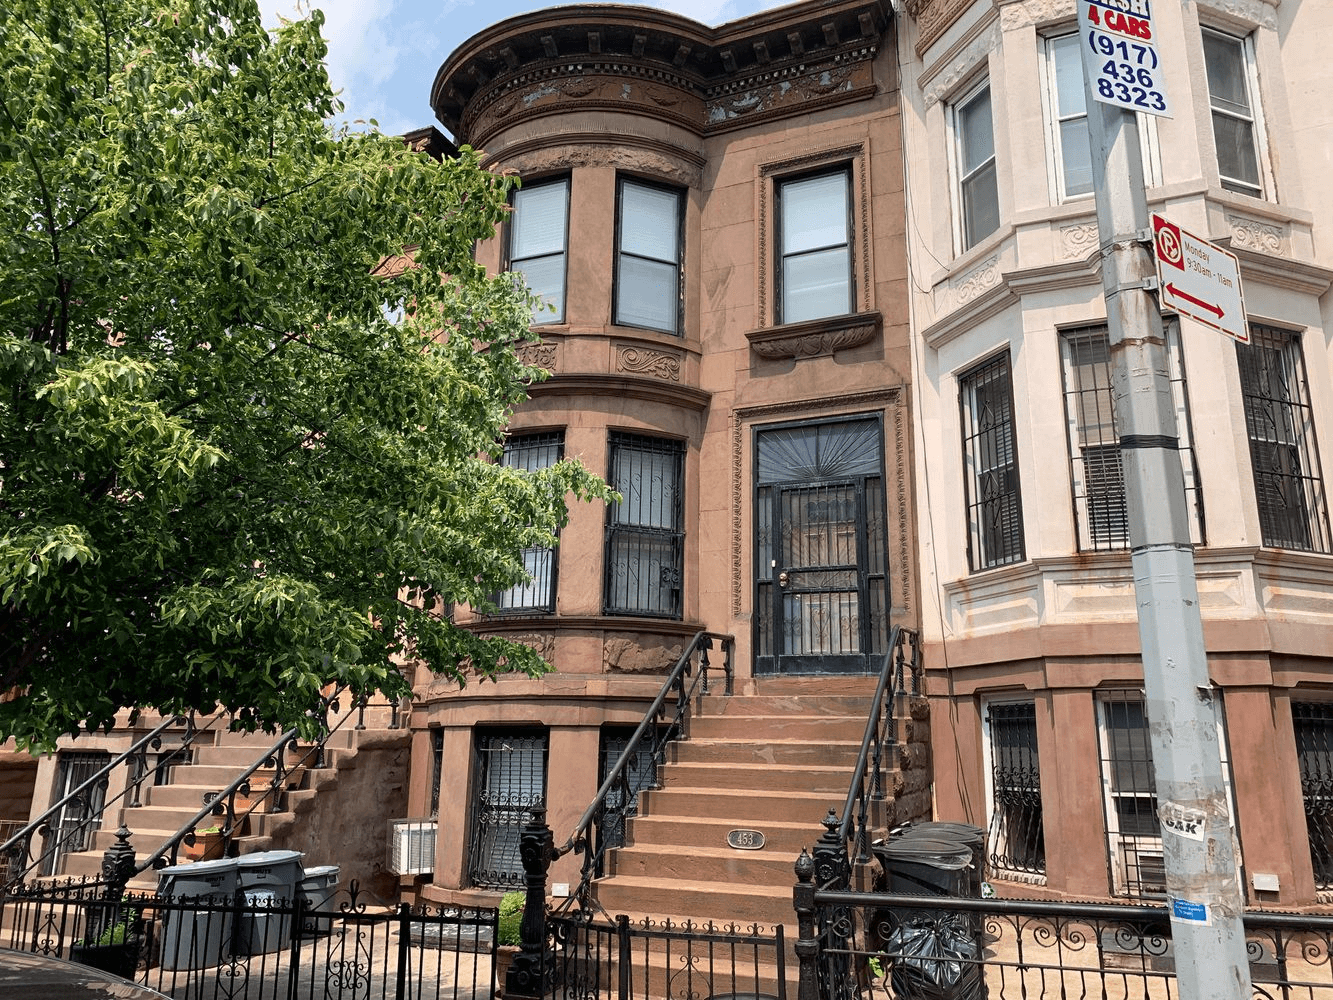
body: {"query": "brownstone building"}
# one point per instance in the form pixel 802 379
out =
pixel 714 219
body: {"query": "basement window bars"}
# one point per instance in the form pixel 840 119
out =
pixel 510 782
pixel 1016 839
pixel 1313 724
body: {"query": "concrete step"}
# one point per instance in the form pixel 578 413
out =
pixel 787 705
pixel 699 901
pixel 779 727
pixel 780 753
pixel 755 807
pixel 788 777
pixel 705 864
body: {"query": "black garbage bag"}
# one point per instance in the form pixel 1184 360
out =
pixel 938 960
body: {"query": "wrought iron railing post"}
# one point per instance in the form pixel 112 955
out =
pixel 536 848
pixel 807 945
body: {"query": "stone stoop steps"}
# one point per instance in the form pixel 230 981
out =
pixel 166 808
pixel 774 763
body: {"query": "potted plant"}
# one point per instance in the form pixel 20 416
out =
pixel 209 843
pixel 116 949
pixel 508 937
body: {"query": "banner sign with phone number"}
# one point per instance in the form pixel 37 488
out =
pixel 1120 57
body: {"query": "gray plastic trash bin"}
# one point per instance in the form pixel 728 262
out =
pixel 267 882
pixel 197 937
pixel 318 886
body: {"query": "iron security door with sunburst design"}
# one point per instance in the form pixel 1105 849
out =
pixel 820 555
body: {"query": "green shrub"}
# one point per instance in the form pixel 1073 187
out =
pixel 511 917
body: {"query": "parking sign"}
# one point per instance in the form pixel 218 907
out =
pixel 1120 58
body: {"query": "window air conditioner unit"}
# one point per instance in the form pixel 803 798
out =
pixel 412 846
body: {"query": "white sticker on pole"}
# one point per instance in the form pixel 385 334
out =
pixel 1120 58
pixel 1182 820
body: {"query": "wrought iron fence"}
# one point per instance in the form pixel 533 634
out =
pixel 342 945
pixel 623 960
pixel 872 946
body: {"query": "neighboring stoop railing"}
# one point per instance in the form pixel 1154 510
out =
pixel 289 757
pixel 16 853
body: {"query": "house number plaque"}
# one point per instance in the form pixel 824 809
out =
pixel 745 840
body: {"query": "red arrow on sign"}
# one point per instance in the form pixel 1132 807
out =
pixel 1216 310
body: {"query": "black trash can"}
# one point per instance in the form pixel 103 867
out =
pixel 934 954
pixel 964 833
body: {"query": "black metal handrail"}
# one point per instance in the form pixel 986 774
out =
pixel 902 665
pixel 223 804
pixel 17 850
pixel 596 815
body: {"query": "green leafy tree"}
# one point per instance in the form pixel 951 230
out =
pixel 244 454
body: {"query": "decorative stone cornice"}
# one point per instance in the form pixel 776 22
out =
pixel 609 58
pixel 625 386
pixel 933 18
pixel 816 337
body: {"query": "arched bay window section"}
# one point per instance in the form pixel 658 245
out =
pixel 821 554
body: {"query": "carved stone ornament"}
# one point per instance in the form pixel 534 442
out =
pixel 643 361
pixel 1260 237
pixel 1256 12
pixel 934 18
pixel 1026 13
pixel 983 276
pixel 1078 240
pixel 539 355
pixel 622 156
pixel 824 84
pixel 543 644
pixel 946 80
pixel 815 338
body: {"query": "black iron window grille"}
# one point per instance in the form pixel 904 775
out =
pixel 437 768
pixel 510 781
pixel 990 465
pixel 72 829
pixel 815 240
pixel 1288 487
pixel 1096 473
pixel 1130 785
pixel 538 234
pixel 622 801
pixel 645 531
pixel 531 453
pixel 1016 839
pixel 1313 723
pixel 648 244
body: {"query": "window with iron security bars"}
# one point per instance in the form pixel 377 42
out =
pixel 1016 839
pixel 1288 486
pixel 645 536
pixel 990 466
pixel 509 782
pixel 640 773
pixel 1097 473
pixel 1130 796
pixel 1313 724
pixel 532 453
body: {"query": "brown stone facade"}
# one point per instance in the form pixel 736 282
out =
pixel 594 97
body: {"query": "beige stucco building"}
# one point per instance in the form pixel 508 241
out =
pixel 1028 606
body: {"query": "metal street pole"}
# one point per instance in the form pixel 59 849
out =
pixel 1201 880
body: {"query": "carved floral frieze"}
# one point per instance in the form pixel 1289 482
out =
pixel 1077 241
pixel 644 361
pixel 985 275
pixel 1261 237
pixel 539 355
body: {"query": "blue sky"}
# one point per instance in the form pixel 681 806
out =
pixel 383 54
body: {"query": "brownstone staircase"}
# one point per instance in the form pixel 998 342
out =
pixel 774 763
pixel 166 808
